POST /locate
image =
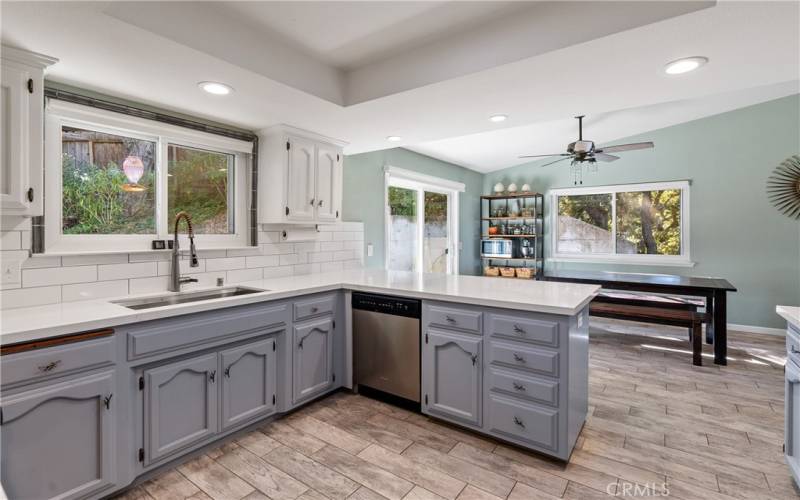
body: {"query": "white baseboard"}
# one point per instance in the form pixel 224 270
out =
pixel 757 329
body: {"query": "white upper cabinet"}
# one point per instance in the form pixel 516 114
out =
pixel 21 123
pixel 300 181
pixel 329 173
pixel 300 177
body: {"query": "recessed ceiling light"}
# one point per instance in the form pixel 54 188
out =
pixel 685 65
pixel 394 138
pixel 498 118
pixel 215 88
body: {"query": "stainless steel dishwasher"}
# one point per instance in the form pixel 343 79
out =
pixel 386 333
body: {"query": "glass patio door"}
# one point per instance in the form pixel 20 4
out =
pixel 420 233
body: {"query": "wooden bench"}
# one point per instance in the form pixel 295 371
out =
pixel 673 316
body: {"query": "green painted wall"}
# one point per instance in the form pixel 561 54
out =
pixel 363 198
pixel 735 232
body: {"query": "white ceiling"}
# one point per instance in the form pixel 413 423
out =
pixel 423 89
pixel 497 149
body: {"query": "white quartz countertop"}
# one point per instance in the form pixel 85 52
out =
pixel 34 323
pixel 790 314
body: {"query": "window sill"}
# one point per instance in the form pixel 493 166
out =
pixel 623 261
pixel 182 249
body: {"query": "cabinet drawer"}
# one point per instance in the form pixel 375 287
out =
pixel 524 386
pixel 192 330
pixel 32 365
pixel 524 329
pixel 459 319
pixel 524 358
pixel 314 307
pixel 528 422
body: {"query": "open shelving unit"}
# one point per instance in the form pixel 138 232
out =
pixel 520 218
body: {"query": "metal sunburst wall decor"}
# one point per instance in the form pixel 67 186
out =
pixel 783 187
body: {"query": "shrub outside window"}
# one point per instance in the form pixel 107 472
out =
pixel 636 223
pixel 115 182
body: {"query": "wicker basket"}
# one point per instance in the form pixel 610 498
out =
pixel 507 272
pixel 491 271
pixel 524 272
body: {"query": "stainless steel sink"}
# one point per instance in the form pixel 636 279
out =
pixel 184 297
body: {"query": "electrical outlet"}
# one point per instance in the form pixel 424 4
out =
pixel 370 250
pixel 11 272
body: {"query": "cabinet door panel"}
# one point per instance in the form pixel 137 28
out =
pixel 300 197
pixel 452 376
pixel 312 359
pixel 248 382
pixel 16 141
pixel 327 181
pixel 180 405
pixel 58 442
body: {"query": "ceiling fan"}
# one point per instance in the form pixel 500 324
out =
pixel 581 152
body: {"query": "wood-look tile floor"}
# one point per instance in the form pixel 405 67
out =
pixel 655 421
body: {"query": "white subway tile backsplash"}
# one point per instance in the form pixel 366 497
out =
pixel 10 240
pixel 87 260
pixel 240 275
pixel 49 279
pixel 27 297
pixel 226 264
pixel 97 290
pixel 126 271
pixel 58 275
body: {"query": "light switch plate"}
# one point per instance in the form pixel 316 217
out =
pixel 10 272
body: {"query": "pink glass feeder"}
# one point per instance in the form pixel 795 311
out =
pixel 134 169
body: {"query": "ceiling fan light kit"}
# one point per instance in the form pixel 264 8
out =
pixel 583 151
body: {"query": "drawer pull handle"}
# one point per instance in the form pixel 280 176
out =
pixel 450 319
pixel 518 358
pixel 474 359
pixel 518 329
pixel 519 422
pixel 213 376
pixel 314 309
pixel 519 387
pixel 50 366
pixel 107 401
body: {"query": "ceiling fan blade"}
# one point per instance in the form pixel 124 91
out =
pixel 605 157
pixel 543 156
pixel 560 159
pixel 626 147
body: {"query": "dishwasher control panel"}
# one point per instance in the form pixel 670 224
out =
pixel 386 304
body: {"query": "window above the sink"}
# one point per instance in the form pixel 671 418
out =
pixel 115 182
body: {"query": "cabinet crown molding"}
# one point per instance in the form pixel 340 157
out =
pixel 22 56
pixel 295 131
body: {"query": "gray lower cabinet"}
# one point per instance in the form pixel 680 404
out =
pixel 248 382
pixel 452 368
pixel 312 358
pixel 180 405
pixel 63 436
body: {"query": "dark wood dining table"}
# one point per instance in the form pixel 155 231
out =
pixel 713 290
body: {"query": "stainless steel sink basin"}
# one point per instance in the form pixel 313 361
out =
pixel 184 297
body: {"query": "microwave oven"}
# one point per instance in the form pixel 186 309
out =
pixel 498 248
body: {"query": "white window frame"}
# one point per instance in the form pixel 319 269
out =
pixel 682 260
pixel 398 177
pixel 60 113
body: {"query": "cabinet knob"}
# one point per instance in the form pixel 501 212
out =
pixel 314 309
pixel 518 358
pixel 312 202
pixel 50 366
pixel 212 376
pixel 320 203
pixel 228 372
pixel 474 359
pixel 107 401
